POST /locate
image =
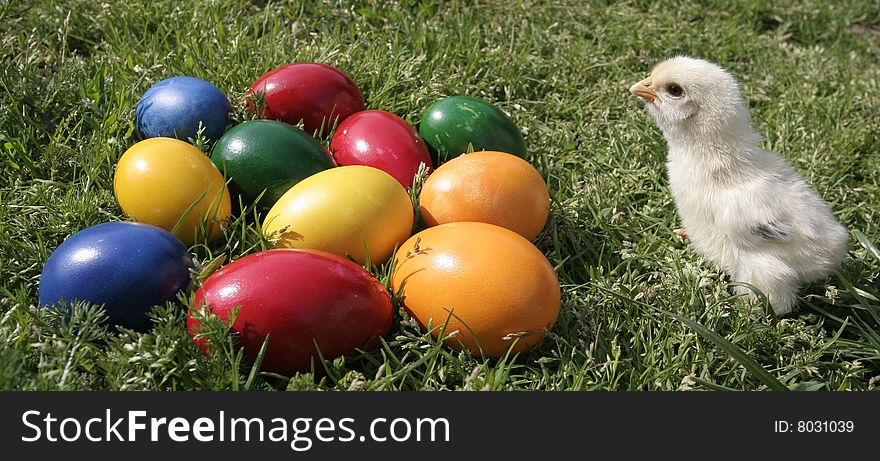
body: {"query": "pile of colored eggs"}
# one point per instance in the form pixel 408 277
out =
pixel 472 277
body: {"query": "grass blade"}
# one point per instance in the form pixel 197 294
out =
pixel 863 240
pixel 731 349
pixel 256 367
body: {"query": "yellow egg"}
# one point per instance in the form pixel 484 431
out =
pixel 160 181
pixel 340 210
pixel 485 285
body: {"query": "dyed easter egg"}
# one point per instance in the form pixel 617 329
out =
pixel 493 286
pixel 490 187
pixel 343 210
pixel 450 125
pixel 170 183
pixel 319 95
pixel 174 107
pixel 125 267
pixel 381 140
pixel 270 156
pixel 300 299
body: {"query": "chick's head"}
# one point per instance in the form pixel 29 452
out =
pixel 692 96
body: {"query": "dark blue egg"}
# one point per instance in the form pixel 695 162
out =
pixel 174 107
pixel 126 267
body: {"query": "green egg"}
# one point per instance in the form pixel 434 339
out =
pixel 267 155
pixel 450 125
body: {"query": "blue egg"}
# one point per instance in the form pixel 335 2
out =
pixel 174 107
pixel 126 267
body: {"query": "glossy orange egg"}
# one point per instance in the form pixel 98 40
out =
pixel 494 287
pixel 490 187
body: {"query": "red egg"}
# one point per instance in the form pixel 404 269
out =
pixel 319 95
pixel 381 140
pixel 299 298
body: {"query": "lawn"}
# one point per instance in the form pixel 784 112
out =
pixel 639 307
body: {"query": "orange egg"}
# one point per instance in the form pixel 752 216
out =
pixel 494 287
pixel 490 187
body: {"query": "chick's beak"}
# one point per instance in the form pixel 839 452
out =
pixel 644 91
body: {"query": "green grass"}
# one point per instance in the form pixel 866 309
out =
pixel 640 310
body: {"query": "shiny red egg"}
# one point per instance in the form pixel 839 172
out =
pixel 319 95
pixel 381 140
pixel 300 298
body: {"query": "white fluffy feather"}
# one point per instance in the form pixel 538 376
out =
pixel 744 208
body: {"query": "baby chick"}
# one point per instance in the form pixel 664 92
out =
pixel 744 208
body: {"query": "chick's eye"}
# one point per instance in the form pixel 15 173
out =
pixel 674 90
